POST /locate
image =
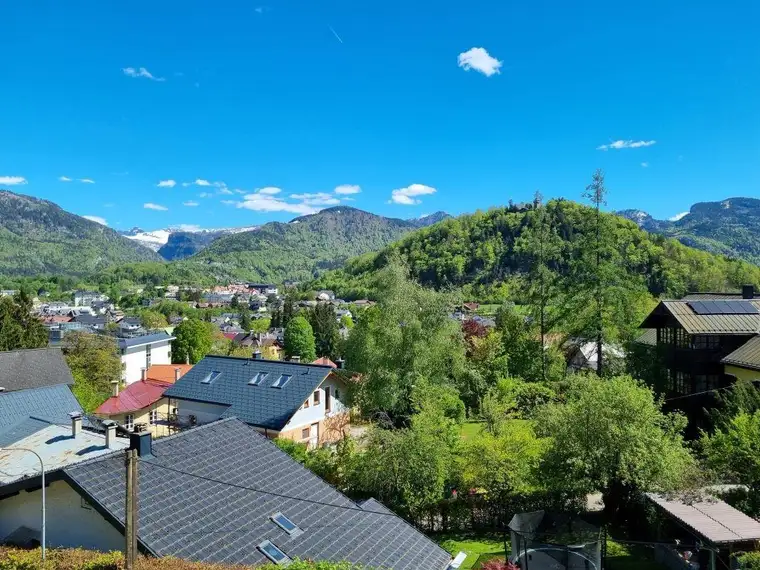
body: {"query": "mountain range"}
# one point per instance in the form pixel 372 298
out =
pixel 730 227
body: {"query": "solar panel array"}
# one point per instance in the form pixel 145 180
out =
pixel 723 307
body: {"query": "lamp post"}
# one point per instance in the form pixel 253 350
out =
pixel 42 468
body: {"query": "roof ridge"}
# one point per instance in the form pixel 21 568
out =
pixel 42 348
pixel 248 359
pixel 194 429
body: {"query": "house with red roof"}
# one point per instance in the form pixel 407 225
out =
pixel 141 406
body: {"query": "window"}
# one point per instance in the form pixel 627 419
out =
pixel 281 381
pixel 273 553
pixel 328 399
pixel 286 524
pixel 147 356
pixel 129 422
pixel 305 404
pixel 682 339
pixel 305 432
pixel 258 378
pixel 682 383
pixel 316 397
pixel 705 342
pixel 337 393
pixel 153 417
pixel 211 376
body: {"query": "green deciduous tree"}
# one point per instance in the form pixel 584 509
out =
pixel 18 327
pixel 152 319
pixel 245 319
pixel 326 332
pixel 611 436
pixel 95 363
pixel 193 340
pixel 299 339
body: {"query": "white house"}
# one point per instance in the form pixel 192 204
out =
pixel 87 298
pixel 142 352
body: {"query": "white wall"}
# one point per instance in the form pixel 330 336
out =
pixel 135 359
pixel 68 524
pixel 313 414
pixel 203 412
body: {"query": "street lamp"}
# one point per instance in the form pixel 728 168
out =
pixel 42 468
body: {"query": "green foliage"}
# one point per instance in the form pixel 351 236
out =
pixel 18 327
pixel 743 398
pixel 152 319
pixel 406 340
pixel 749 560
pixel 612 437
pixel 299 340
pixel 346 322
pixel 95 364
pixel 193 340
pixel 326 334
pixel 296 450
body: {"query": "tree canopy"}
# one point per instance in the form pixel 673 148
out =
pixel 299 339
pixel 193 340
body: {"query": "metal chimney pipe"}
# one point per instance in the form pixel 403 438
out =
pixel 76 423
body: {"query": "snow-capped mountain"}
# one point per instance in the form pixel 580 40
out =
pixel 157 240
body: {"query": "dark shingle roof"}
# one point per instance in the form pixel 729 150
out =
pixel 207 494
pixel 50 403
pixel 649 338
pixel 718 324
pixel 746 356
pixel 33 368
pixel 145 339
pixel 260 405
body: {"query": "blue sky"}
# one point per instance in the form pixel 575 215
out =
pixel 453 106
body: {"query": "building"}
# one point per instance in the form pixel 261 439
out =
pixel 87 298
pixel 302 402
pixel 197 485
pixel 143 352
pixel 142 405
pixel 703 342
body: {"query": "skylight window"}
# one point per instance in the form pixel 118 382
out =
pixel 286 524
pixel 281 381
pixel 258 378
pixel 211 376
pixel 274 554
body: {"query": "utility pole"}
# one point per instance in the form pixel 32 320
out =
pixel 130 506
pixel 135 505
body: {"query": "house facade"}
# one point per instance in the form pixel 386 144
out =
pixel 143 352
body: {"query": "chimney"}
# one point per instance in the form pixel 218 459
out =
pixel 143 374
pixel 141 441
pixel 177 374
pixel 295 358
pixel 257 355
pixel 115 388
pixel 76 423
pixel 341 363
pixel 110 433
pixel 748 292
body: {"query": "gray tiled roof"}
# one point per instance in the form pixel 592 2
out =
pixel 33 368
pixel 207 494
pixel 747 355
pixel 649 338
pixel 723 324
pixel 145 339
pixel 261 405
pixel 50 403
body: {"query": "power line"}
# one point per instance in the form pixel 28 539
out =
pixel 732 386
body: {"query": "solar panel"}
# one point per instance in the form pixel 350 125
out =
pixel 723 308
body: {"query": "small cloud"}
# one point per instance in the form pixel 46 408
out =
pixel 140 72
pixel 187 227
pixel 479 59
pixel 167 183
pixel 620 144
pixel 87 180
pixel 152 206
pixel 406 196
pixel 201 182
pixel 205 195
pixel 96 219
pixel 225 191
pixel 259 202
pixel 270 190
pixel 317 199
pixel 64 179
pixel 190 204
pixel 348 189
pixel 644 165
pixel 678 216
pixel 259 9
pixel 12 180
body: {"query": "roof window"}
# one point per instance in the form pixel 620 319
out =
pixel 211 376
pixel 258 378
pixel 286 524
pixel 274 554
pixel 281 381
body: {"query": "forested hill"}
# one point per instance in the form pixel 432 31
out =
pixel 730 227
pixel 38 237
pixel 477 253
pixel 302 248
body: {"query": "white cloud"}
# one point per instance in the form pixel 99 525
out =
pixel 87 180
pixel 140 72
pixel 201 182
pixel 96 219
pixel 226 191
pixel 205 195
pixel 406 195
pixel 271 190
pixel 259 9
pixel 317 199
pixel 259 202
pixel 348 189
pixel 620 144
pixel 12 180
pixel 167 183
pixel 152 206
pixel 190 204
pixel 478 58
pixel 644 165
pixel 678 216
pixel 188 228
pixel 64 179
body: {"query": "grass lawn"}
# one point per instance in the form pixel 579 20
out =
pixel 478 547
pixel 470 429
pixel 624 557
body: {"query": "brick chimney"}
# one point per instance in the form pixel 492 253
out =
pixel 115 388
pixel 748 292
pixel 110 433
pixel 76 423
pixel 143 374
pixel 177 374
